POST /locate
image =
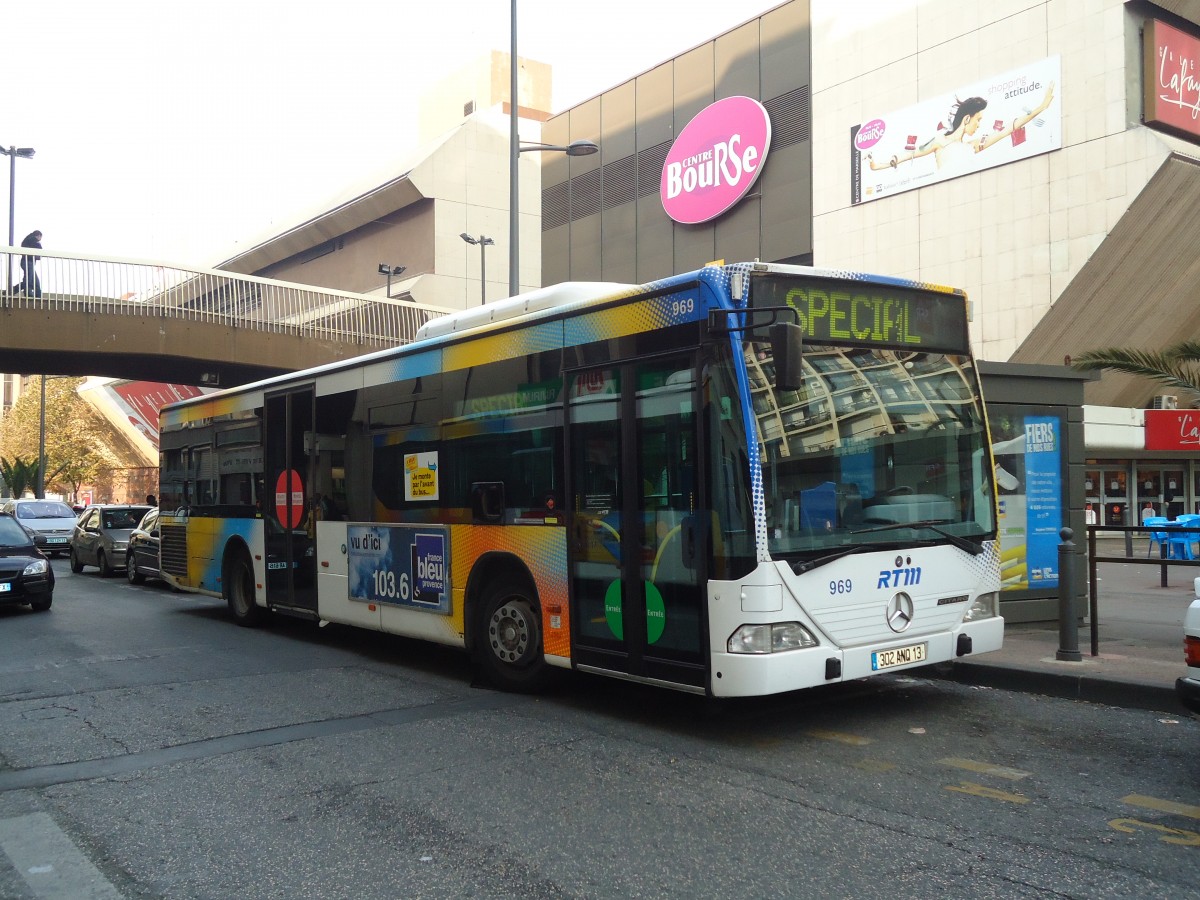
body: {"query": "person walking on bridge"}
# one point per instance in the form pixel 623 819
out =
pixel 30 286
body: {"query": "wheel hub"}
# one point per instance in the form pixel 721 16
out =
pixel 510 631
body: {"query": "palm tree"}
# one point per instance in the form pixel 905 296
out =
pixel 1177 366
pixel 18 474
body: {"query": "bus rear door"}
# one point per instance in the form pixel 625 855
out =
pixel 290 563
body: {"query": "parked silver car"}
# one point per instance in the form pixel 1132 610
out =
pixel 101 536
pixel 52 519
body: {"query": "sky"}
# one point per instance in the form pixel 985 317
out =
pixel 172 130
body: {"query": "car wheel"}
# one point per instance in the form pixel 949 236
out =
pixel 508 643
pixel 43 604
pixel 131 572
pixel 106 568
pixel 76 565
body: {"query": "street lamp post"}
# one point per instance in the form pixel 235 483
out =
pixel 12 153
pixel 389 271
pixel 40 490
pixel 516 148
pixel 483 242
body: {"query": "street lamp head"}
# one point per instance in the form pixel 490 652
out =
pixel 385 269
pixel 23 152
pixel 486 241
pixel 575 148
pixel 582 148
pixel 466 237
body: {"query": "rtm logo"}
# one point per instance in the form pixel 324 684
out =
pixel 894 578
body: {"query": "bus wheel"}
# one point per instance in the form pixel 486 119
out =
pixel 239 591
pixel 509 644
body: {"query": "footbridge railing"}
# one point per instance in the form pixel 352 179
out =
pixel 130 287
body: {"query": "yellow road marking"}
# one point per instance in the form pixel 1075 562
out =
pixel 1173 835
pixel 1167 806
pixel 840 737
pixel 978 790
pixel 984 768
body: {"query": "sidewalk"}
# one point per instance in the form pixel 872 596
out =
pixel 1140 643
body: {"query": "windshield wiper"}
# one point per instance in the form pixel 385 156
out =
pixel 932 524
pixel 808 565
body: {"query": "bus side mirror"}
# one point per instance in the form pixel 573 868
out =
pixel 787 346
pixel 487 501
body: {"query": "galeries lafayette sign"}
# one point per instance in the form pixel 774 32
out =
pixel 715 160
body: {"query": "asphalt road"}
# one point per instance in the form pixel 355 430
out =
pixel 150 748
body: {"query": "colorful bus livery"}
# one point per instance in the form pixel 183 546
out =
pixel 647 482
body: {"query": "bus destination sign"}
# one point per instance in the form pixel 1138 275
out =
pixel 868 313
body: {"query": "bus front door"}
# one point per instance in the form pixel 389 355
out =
pixel 637 557
pixel 290 562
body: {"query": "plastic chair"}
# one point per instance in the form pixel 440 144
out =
pixel 1191 533
pixel 1156 537
pixel 1179 544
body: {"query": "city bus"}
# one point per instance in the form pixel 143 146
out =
pixel 743 480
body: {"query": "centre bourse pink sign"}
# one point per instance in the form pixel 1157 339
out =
pixel 715 160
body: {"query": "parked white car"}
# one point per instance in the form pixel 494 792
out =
pixel 1187 688
pixel 52 519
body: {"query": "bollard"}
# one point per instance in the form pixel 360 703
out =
pixel 1068 629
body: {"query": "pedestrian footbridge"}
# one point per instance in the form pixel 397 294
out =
pixel 143 320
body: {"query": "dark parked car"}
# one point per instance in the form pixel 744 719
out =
pixel 51 518
pixel 25 573
pixel 101 536
pixel 141 558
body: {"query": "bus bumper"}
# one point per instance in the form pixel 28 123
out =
pixel 752 675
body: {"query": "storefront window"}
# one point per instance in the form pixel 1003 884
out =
pixel 1173 493
pixel 1116 499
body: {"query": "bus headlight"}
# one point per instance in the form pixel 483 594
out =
pixel 772 638
pixel 984 607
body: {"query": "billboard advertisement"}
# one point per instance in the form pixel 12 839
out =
pixel 989 123
pixel 132 407
pixel 1028 449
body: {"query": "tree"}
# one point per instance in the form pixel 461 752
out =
pixel 78 439
pixel 19 474
pixel 1177 366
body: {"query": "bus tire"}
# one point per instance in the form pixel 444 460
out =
pixel 508 642
pixel 238 587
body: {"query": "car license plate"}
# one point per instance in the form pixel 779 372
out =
pixel 56 540
pixel 4 588
pixel 885 659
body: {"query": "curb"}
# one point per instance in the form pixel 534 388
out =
pixel 1089 688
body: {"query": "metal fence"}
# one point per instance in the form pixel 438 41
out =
pixel 113 286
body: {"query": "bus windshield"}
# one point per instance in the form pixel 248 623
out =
pixel 879 446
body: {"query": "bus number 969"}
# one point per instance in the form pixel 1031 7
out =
pixel 684 307
pixel 841 586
